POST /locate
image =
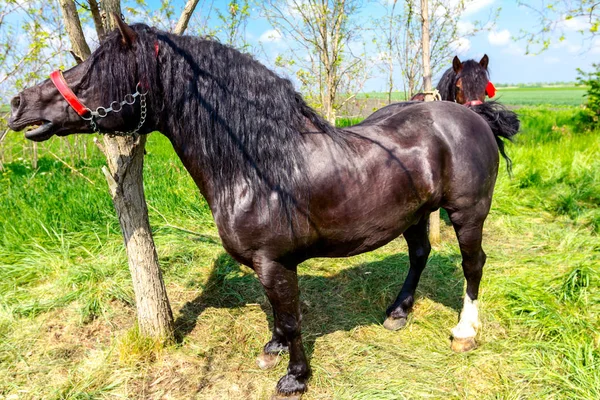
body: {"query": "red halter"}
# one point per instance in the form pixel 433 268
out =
pixel 473 103
pixel 66 92
pixel 490 91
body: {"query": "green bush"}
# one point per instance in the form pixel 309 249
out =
pixel 591 110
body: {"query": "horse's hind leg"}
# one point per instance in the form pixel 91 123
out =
pixel 269 357
pixel 418 252
pixel 281 285
pixel 468 225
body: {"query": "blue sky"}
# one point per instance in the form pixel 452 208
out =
pixel 508 61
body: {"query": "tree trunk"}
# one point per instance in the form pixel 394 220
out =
pixel 81 49
pixel 125 158
pixel 434 218
pixel 425 46
pixel 97 17
pixel 390 48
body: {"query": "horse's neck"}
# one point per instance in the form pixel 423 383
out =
pixel 189 154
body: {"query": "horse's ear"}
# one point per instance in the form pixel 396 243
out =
pixel 128 36
pixel 456 64
pixel 484 61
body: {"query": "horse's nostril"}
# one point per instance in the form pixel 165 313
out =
pixel 15 103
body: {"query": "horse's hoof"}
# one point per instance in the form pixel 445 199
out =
pixel 394 324
pixel 460 345
pixel 290 388
pixel 267 360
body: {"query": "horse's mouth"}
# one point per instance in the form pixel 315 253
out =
pixel 39 131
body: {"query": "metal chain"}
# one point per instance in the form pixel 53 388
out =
pixel 102 112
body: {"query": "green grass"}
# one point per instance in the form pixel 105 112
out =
pixel 515 96
pixel 67 320
pixel 555 96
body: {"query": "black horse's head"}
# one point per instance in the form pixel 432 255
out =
pixel 471 80
pixel 466 82
pixel 107 79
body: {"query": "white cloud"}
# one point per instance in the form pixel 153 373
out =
pixel 474 6
pixel 440 11
pixel 565 44
pixel 501 38
pixel 461 46
pixel 574 24
pixel 272 35
pixel 465 27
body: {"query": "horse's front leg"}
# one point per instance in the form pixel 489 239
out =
pixel 281 285
pixel 418 251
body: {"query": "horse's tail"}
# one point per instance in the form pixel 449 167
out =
pixel 503 122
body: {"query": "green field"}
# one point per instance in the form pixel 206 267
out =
pixel 564 96
pixel 522 96
pixel 66 304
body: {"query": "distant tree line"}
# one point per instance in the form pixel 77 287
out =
pixel 537 84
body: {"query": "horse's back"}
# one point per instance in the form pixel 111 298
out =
pixel 470 156
pixel 460 147
pixel 452 123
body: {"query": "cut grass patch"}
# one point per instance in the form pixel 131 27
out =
pixel 67 323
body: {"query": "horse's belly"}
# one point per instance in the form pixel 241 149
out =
pixel 356 232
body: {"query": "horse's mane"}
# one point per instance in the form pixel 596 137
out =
pixel 446 85
pixel 471 72
pixel 241 119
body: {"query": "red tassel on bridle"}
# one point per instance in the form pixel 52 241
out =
pixel 490 89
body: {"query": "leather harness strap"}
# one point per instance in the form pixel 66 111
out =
pixel 66 92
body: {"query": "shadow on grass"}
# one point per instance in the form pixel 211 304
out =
pixel 353 297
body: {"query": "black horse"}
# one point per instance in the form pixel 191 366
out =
pixel 284 185
pixel 467 83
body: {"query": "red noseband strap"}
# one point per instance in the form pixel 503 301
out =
pixel 60 83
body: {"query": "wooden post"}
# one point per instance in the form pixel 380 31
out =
pixel 434 218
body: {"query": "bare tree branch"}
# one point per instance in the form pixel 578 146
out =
pixel 73 27
pixel 184 19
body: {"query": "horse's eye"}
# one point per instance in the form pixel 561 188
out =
pixel 458 88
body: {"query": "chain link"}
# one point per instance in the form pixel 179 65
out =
pixel 102 112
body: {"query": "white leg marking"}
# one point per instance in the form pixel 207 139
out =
pixel 469 320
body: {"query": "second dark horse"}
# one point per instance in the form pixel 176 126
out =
pixel 284 185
